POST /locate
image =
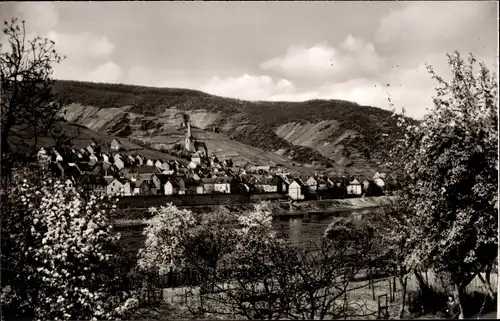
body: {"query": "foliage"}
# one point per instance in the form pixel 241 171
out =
pixel 244 270
pixel 56 251
pixel 163 248
pixel 449 169
pixel 26 86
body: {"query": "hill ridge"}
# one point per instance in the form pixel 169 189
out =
pixel 356 137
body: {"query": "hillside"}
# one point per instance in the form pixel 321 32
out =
pixel 81 137
pixel 320 133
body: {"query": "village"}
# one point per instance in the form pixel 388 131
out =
pixel 111 172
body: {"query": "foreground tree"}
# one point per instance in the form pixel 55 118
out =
pixel 245 270
pixel 450 167
pixel 56 257
pixel 28 105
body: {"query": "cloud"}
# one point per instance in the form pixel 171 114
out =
pixel 108 72
pixel 248 87
pixel 351 58
pixel 40 16
pixel 424 27
pixel 82 46
pixel 144 76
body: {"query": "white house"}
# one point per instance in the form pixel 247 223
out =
pixel 150 162
pixel 354 187
pixel 170 187
pixel 119 163
pixel 116 145
pixel 312 184
pixel 380 182
pixel 90 149
pixel 140 159
pixel 192 165
pixel 114 186
pixel 93 158
pixel 159 164
pixel 223 185
pixel 295 190
pixel 196 158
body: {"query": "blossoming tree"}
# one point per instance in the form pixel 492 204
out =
pixel 55 251
pixel 449 164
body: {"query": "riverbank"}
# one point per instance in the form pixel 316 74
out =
pixel 140 216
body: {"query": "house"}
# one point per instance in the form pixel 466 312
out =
pixel 223 184
pixel 134 187
pixel 208 185
pixel 380 182
pixel 150 162
pixel 283 184
pixel 131 159
pixel 113 186
pixel 379 175
pixel 139 159
pixel 354 187
pixel 181 185
pixel 296 189
pixel 193 186
pixel 322 184
pixel 93 158
pixel 119 163
pixel 116 145
pixel 105 157
pixel 146 188
pixel 127 189
pixel 192 165
pixel 171 187
pixel 159 164
pixel 365 184
pixel 312 184
pixel 213 160
pixel 267 185
pixel 90 149
pixel 196 158
pixel 159 180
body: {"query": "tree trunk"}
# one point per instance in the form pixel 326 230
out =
pixel 403 283
pixel 487 285
pixel 423 285
pixel 459 294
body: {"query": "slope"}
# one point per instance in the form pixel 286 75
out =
pixel 331 133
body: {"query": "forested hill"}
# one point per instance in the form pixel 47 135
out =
pixel 334 133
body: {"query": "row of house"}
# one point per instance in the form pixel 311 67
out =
pixel 128 175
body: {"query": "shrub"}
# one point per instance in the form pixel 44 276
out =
pixel 57 261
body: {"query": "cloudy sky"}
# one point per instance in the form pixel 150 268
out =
pixel 358 51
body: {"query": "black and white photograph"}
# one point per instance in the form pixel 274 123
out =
pixel 249 160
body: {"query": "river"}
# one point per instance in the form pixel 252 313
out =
pixel 299 230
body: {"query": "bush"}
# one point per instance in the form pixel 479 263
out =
pixel 57 257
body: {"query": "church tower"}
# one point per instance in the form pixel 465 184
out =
pixel 188 141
